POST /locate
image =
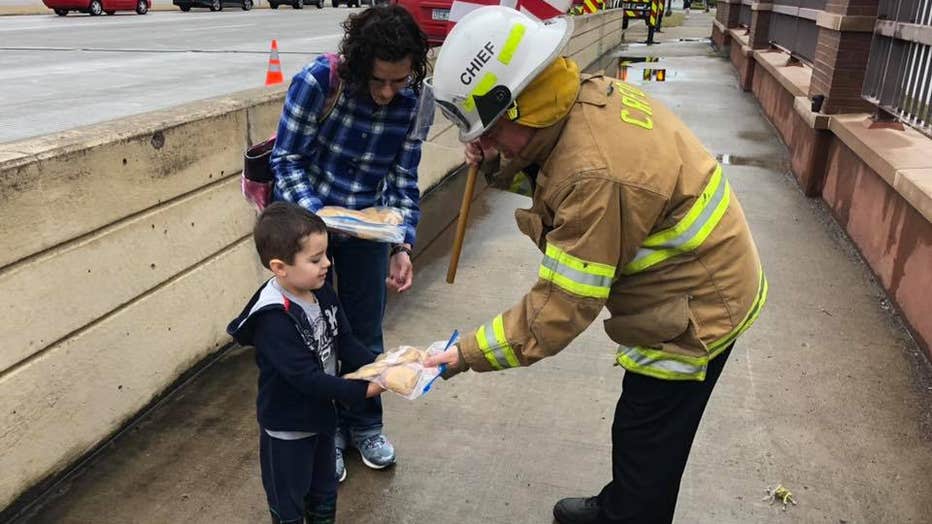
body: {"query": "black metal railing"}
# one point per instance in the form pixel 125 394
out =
pixel 899 71
pixel 793 27
pixel 744 14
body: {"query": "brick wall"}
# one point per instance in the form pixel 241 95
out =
pixel 760 30
pixel 852 7
pixel 727 14
pixel 838 72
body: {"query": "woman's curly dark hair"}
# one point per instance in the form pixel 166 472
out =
pixel 388 33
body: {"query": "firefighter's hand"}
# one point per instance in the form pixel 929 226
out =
pixel 452 359
pixel 474 154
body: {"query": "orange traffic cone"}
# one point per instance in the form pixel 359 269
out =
pixel 274 74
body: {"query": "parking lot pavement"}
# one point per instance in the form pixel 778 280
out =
pixel 64 72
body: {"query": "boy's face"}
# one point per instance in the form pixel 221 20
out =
pixel 308 271
pixel 388 79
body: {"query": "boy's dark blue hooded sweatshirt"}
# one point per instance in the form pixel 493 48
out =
pixel 295 394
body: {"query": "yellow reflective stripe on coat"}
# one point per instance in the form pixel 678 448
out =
pixel 719 345
pixel 494 345
pixel 661 364
pixel 690 232
pixel 671 366
pixel 575 275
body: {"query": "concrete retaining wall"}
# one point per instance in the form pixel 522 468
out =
pixel 125 249
pixel 894 238
pixel 594 36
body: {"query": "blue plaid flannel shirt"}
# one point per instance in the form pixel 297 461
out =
pixel 362 155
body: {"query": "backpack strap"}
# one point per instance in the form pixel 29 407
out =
pixel 335 88
pixel 256 158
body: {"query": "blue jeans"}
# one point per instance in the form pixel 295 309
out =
pixel 361 267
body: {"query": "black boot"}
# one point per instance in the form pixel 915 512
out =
pixel 577 511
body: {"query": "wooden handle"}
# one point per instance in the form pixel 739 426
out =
pixel 461 222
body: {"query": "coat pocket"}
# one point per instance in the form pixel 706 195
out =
pixel 531 225
pixel 670 323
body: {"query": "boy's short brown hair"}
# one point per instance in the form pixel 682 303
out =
pixel 280 230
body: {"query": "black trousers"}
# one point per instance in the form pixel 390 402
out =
pixel 655 422
pixel 299 478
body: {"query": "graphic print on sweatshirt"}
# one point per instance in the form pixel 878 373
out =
pixel 324 337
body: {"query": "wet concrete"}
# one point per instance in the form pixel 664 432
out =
pixel 773 163
pixel 826 394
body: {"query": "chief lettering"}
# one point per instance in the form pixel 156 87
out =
pixel 477 63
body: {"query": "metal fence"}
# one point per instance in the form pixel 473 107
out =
pixel 793 27
pixel 899 70
pixel 744 14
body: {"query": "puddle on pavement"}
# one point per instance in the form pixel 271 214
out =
pixel 638 76
pixel 640 69
pixel 756 136
pixel 776 164
pixel 628 60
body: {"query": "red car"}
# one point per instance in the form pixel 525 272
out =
pixel 431 17
pixel 96 7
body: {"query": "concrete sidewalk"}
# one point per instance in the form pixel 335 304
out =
pixel 826 394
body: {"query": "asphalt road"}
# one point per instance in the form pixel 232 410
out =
pixel 62 72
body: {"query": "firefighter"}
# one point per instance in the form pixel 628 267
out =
pixel 631 214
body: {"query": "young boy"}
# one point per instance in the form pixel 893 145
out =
pixel 303 341
pixel 365 153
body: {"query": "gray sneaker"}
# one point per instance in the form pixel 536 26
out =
pixel 341 467
pixel 377 452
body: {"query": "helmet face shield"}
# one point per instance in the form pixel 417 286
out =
pixel 424 113
pixel 450 110
pixel 454 115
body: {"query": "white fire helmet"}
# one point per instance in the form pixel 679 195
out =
pixel 491 55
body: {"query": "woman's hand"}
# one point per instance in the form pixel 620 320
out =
pixel 400 272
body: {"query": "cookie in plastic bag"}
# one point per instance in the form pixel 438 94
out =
pixel 401 370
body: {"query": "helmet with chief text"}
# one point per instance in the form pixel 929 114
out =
pixel 489 58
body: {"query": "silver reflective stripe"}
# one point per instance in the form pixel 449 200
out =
pixel 575 275
pixel 668 365
pixel 494 346
pixel 700 222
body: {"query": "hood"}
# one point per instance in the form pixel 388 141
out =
pixel 265 299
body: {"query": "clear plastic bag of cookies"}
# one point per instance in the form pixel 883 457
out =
pixel 401 370
pixel 381 224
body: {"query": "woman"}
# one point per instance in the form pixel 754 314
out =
pixel 361 152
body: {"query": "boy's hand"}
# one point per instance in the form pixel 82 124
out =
pixel 400 272
pixel 374 390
